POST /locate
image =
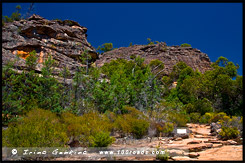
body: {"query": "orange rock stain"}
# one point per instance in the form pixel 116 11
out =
pixel 22 54
pixel 41 57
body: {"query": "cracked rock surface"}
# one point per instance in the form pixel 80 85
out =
pixel 64 41
pixel 169 55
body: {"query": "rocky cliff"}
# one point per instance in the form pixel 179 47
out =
pixel 170 55
pixel 64 40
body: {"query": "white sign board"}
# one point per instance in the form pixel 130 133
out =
pixel 181 131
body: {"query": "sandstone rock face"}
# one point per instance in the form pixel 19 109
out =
pixel 194 142
pixel 66 40
pixel 170 55
pixel 63 40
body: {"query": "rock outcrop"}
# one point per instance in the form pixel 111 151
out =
pixel 215 128
pixel 64 40
pixel 170 55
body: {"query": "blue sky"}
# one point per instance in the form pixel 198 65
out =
pixel 214 28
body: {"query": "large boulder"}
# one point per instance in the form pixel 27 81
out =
pixel 215 128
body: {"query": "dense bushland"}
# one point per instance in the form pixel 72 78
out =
pixel 39 128
pixel 127 97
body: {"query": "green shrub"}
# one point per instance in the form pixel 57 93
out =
pixel 162 156
pixel 189 108
pixel 129 124
pixel 97 122
pixel 134 112
pixel 206 118
pixel 156 63
pixel 133 56
pixel 229 133
pixel 213 117
pixel 105 47
pixel 133 121
pixel 166 81
pixel 139 127
pixel 111 116
pixel 39 128
pixel 230 126
pixel 227 121
pixel 178 119
pixel 75 127
pixel 218 116
pixel 165 128
pixel 31 60
pixel 122 125
pixel 86 128
pixel 168 127
pixel 185 45
pixel 101 139
pixel 241 120
pixel 194 117
pixel 203 106
pixel 7 19
pixel 16 16
pixel 149 42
